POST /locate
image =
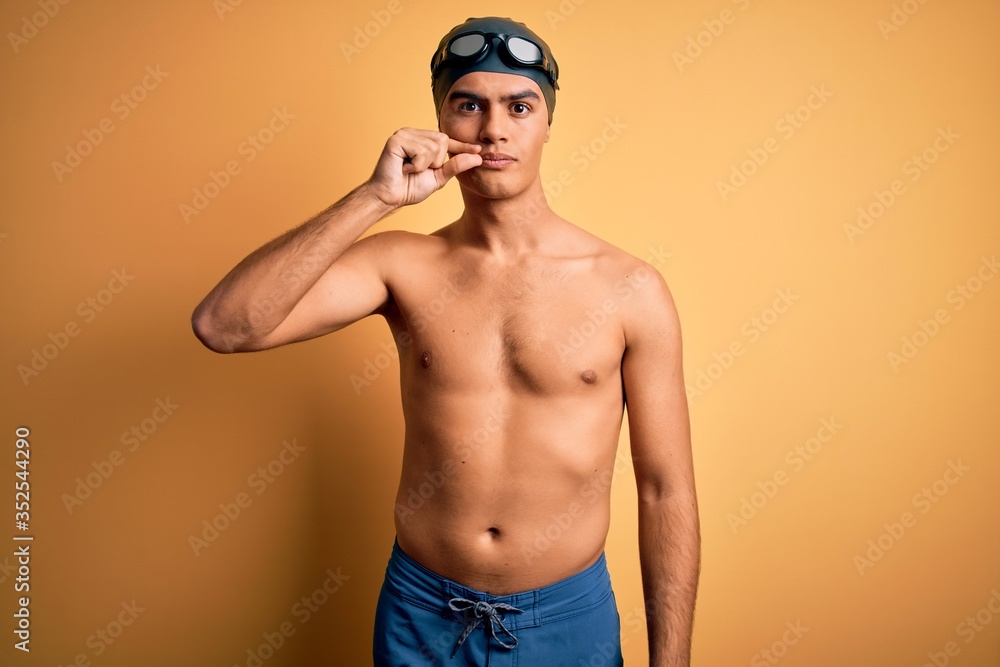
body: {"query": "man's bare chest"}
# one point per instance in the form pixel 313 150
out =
pixel 546 332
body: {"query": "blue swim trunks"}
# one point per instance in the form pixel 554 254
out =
pixel 426 620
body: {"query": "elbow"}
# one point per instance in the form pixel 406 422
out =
pixel 210 335
pixel 656 491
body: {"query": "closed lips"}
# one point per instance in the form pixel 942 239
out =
pixel 497 157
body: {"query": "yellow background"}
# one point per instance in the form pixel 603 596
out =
pixel 652 190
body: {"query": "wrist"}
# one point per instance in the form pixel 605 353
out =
pixel 368 193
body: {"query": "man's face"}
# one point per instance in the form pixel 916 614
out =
pixel 506 115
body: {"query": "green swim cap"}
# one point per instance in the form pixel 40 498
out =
pixel 493 44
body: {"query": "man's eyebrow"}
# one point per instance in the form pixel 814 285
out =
pixel 523 95
pixel 526 94
pixel 465 95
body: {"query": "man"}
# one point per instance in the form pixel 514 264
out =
pixel 521 338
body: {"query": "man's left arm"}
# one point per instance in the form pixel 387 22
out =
pixel 660 433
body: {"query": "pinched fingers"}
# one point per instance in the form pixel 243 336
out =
pixel 420 149
pixel 415 163
pixel 455 147
pixel 458 163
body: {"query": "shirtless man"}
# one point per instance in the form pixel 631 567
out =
pixel 513 416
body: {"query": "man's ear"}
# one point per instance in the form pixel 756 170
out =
pixel 548 131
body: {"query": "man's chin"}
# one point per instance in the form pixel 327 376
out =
pixel 486 183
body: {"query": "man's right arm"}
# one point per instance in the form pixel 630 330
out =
pixel 318 278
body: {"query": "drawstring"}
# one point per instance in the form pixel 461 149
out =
pixel 483 610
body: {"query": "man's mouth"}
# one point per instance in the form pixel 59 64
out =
pixel 496 160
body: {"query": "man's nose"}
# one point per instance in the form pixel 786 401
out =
pixel 494 129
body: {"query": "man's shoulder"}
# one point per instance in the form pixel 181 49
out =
pixel 640 290
pixel 405 256
pixel 611 260
pixel 604 260
pixel 397 236
pixel 402 241
pixel 635 290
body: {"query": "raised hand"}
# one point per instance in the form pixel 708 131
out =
pixel 416 163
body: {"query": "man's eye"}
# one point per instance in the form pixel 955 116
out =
pixel 468 106
pixel 520 108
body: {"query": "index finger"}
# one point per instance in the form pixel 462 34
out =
pixel 456 146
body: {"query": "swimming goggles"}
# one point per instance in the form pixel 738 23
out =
pixel 517 51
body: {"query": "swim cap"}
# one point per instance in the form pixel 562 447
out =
pixel 494 51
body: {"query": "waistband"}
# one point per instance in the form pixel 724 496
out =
pixel 573 595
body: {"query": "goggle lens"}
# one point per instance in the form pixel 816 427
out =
pixel 467 45
pixel 524 51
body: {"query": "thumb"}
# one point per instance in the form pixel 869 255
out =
pixel 459 163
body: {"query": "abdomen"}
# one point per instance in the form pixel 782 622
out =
pixel 505 490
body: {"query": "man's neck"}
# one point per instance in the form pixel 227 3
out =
pixel 507 228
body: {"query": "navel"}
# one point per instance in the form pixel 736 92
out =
pixel 425 359
pixel 588 376
pixel 493 531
